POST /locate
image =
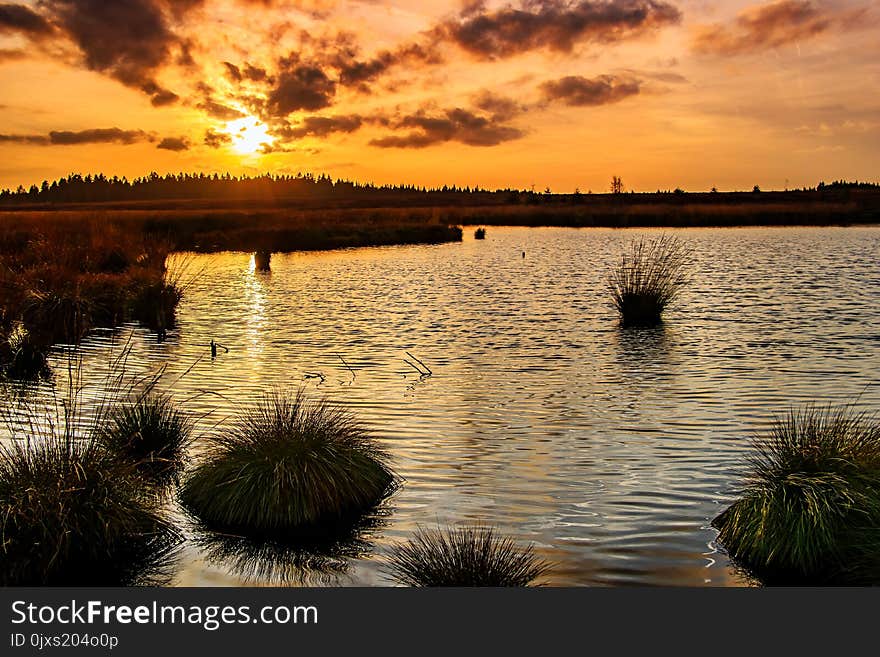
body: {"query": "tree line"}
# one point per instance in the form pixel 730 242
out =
pixel 96 188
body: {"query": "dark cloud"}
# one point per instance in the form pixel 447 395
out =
pixel 233 72
pixel 301 87
pixel 238 74
pixel 216 139
pixel 19 18
pixel 500 107
pixel 129 40
pixel 579 91
pixel 98 136
pixel 354 72
pixel 254 73
pixel 321 126
pixel 93 136
pixel 173 144
pixel 553 25
pixel 11 54
pixel 219 111
pixel 763 27
pixel 452 125
pixel 159 97
pixel 41 140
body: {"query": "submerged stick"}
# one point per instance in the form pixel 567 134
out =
pixel 353 375
pixel 426 368
pixel 314 375
pixel 412 365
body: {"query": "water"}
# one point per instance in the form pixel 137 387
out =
pixel 611 450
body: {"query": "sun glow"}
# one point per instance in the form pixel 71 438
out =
pixel 249 135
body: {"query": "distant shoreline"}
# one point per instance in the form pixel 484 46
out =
pixel 310 223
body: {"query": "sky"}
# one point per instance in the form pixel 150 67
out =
pixel 562 94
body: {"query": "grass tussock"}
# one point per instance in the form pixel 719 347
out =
pixel 810 510
pixel 149 433
pixel 465 556
pixel 480 234
pixel 648 278
pixel 72 515
pixel 286 469
pixel 21 358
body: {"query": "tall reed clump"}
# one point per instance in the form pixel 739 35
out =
pixel 649 277
pixel 71 514
pixel 464 556
pixel 149 433
pixel 810 510
pixel 480 234
pixel 289 468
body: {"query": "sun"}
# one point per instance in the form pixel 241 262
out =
pixel 249 135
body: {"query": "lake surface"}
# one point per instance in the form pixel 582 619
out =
pixel 610 450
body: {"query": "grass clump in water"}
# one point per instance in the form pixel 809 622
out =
pixel 72 515
pixel 289 468
pixel 480 234
pixel 465 556
pixel 648 278
pixel 810 510
pixel 21 358
pixel 149 433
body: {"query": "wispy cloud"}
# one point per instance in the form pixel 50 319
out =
pixel 773 25
pixel 579 91
pixel 90 136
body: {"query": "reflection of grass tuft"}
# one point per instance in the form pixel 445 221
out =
pixel 303 561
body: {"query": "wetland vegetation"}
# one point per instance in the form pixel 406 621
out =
pixel 288 486
pixel 809 512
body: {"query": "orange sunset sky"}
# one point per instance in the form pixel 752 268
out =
pixel 665 93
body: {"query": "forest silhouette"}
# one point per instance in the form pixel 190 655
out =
pixel 99 188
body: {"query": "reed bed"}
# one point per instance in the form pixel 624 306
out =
pixel 61 278
pixel 648 278
pixel 809 512
pixel 464 556
pixel 287 469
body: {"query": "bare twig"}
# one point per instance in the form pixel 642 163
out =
pixel 353 375
pixel 314 375
pixel 427 370
pixel 413 365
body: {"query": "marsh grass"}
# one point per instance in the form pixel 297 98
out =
pixel 73 516
pixel 810 510
pixel 480 234
pixel 149 433
pixel 288 469
pixel 648 278
pixel 71 511
pixel 61 277
pixel 463 556
pixel 21 358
